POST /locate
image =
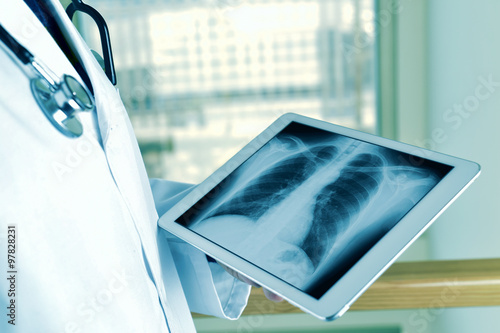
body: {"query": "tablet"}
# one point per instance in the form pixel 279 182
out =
pixel 315 212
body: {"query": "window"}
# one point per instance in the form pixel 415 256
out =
pixel 201 79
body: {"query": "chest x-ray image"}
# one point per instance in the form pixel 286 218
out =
pixel 310 203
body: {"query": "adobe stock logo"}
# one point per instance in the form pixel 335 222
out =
pixel 470 104
pixel 88 310
pixel 455 116
pixel 74 157
pixel 421 319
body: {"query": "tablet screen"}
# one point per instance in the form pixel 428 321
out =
pixel 310 203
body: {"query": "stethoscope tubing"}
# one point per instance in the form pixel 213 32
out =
pixel 19 51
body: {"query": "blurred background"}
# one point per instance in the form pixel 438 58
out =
pixel 201 78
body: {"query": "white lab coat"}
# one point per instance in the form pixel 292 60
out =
pixel 89 256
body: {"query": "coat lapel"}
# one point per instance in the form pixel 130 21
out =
pixel 126 165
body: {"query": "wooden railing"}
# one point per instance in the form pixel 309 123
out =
pixel 429 284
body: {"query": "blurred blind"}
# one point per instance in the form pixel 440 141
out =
pixel 202 78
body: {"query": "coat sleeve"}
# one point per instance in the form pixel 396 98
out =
pixel 209 289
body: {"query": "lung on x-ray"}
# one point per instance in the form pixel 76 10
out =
pixel 310 203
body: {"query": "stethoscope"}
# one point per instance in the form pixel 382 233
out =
pixel 61 99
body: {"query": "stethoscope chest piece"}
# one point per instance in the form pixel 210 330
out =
pixel 60 99
pixel 61 103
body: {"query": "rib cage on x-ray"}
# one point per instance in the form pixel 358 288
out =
pixel 274 184
pixel 339 201
pixel 335 204
pixel 311 201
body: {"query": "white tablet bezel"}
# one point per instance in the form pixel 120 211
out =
pixel 359 277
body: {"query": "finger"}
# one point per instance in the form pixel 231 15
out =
pixel 247 280
pixel 239 276
pixel 272 296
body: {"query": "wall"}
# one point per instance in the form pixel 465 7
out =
pixel 463 55
pixel 451 56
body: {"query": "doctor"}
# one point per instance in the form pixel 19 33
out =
pixel 80 248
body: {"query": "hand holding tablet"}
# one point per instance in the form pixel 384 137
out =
pixel 316 212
